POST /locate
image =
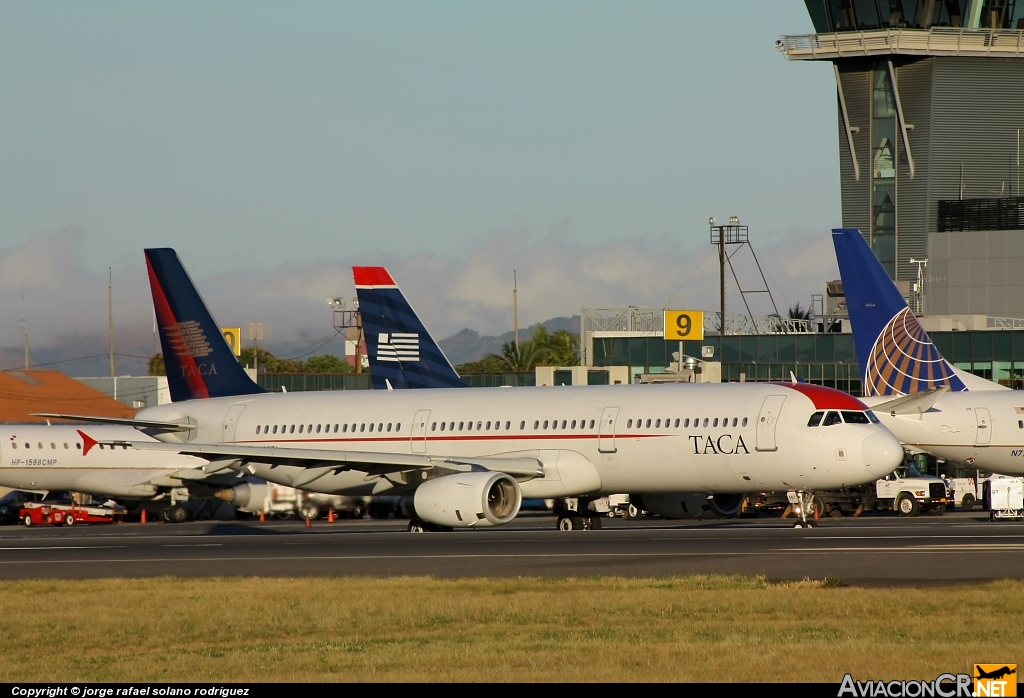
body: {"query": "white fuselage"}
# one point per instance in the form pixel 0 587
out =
pixel 53 458
pixel 692 438
pixel 984 429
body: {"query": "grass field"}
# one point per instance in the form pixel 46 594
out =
pixel 582 629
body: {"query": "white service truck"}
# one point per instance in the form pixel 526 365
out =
pixel 905 490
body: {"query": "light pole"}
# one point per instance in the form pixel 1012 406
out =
pixel 922 264
pixel 256 334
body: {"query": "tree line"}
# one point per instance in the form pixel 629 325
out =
pixel 322 363
pixel 561 348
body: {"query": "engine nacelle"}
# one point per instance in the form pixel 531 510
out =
pixel 465 500
pixel 248 496
pixel 726 505
pixel 672 505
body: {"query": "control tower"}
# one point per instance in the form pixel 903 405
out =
pixel 931 115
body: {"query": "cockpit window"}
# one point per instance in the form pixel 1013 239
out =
pixel 832 418
pixel 851 417
pixel 815 419
pixel 872 417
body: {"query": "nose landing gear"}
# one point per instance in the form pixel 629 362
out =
pixel 805 504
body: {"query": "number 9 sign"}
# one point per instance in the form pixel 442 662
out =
pixel 684 324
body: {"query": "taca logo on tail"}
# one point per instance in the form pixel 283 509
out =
pixel 903 360
pixel 188 340
pixel 199 362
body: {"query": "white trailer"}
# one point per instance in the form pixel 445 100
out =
pixel 1006 498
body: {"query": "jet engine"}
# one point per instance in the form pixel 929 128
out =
pixel 672 505
pixel 248 496
pixel 726 505
pixel 464 500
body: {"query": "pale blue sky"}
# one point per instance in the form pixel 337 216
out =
pixel 248 134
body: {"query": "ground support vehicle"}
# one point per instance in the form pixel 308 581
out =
pixel 619 506
pixel 45 514
pixel 1006 498
pixel 966 493
pixel 905 491
pixel 288 502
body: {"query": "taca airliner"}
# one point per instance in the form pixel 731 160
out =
pixel 466 458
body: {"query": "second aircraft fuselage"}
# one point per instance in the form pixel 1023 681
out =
pixel 983 429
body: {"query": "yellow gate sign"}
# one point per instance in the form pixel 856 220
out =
pixel 233 335
pixel 684 324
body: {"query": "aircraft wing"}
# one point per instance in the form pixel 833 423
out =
pixel 915 403
pixel 320 462
pixel 137 423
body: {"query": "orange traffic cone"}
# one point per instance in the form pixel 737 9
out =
pixel 143 520
pixel 309 522
pixel 263 516
pixel 330 516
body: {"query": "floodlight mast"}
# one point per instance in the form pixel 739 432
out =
pixel 343 319
pixel 736 235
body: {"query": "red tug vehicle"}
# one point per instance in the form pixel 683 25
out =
pixel 46 514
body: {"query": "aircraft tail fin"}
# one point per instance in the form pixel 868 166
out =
pixel 198 360
pixel 402 353
pixel 896 355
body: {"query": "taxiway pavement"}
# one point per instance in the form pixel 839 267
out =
pixel 958 547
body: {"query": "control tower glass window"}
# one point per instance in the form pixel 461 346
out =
pixel 866 15
pixel 883 169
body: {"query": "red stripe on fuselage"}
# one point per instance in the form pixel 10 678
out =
pixel 403 439
pixel 826 398
pixel 165 316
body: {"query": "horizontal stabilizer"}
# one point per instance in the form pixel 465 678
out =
pixel 915 403
pixel 137 423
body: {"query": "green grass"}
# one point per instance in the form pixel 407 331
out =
pixel 527 629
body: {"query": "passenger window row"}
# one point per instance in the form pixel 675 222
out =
pixel 14 444
pixel 685 423
pixel 470 426
pixel 326 428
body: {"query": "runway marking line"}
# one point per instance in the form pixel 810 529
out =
pixel 920 551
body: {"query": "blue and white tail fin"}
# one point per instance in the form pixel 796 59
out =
pixel 896 355
pixel 402 353
pixel 198 359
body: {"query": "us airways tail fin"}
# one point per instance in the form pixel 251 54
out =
pixel 402 353
pixel 897 357
pixel 197 357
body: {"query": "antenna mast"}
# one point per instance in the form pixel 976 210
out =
pixel 515 308
pixel 24 335
pixel 110 317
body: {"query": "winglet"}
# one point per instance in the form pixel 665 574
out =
pixel 87 442
pixel 915 403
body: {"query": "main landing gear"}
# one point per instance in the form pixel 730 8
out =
pixel 582 518
pixel 806 505
pixel 417 526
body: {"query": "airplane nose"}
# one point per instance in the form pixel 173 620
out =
pixel 881 453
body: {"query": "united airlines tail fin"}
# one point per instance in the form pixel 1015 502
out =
pixel 402 353
pixel 197 357
pixel 896 355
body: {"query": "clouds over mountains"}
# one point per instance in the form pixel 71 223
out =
pixel 66 301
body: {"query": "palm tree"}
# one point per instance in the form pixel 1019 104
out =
pixel 798 312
